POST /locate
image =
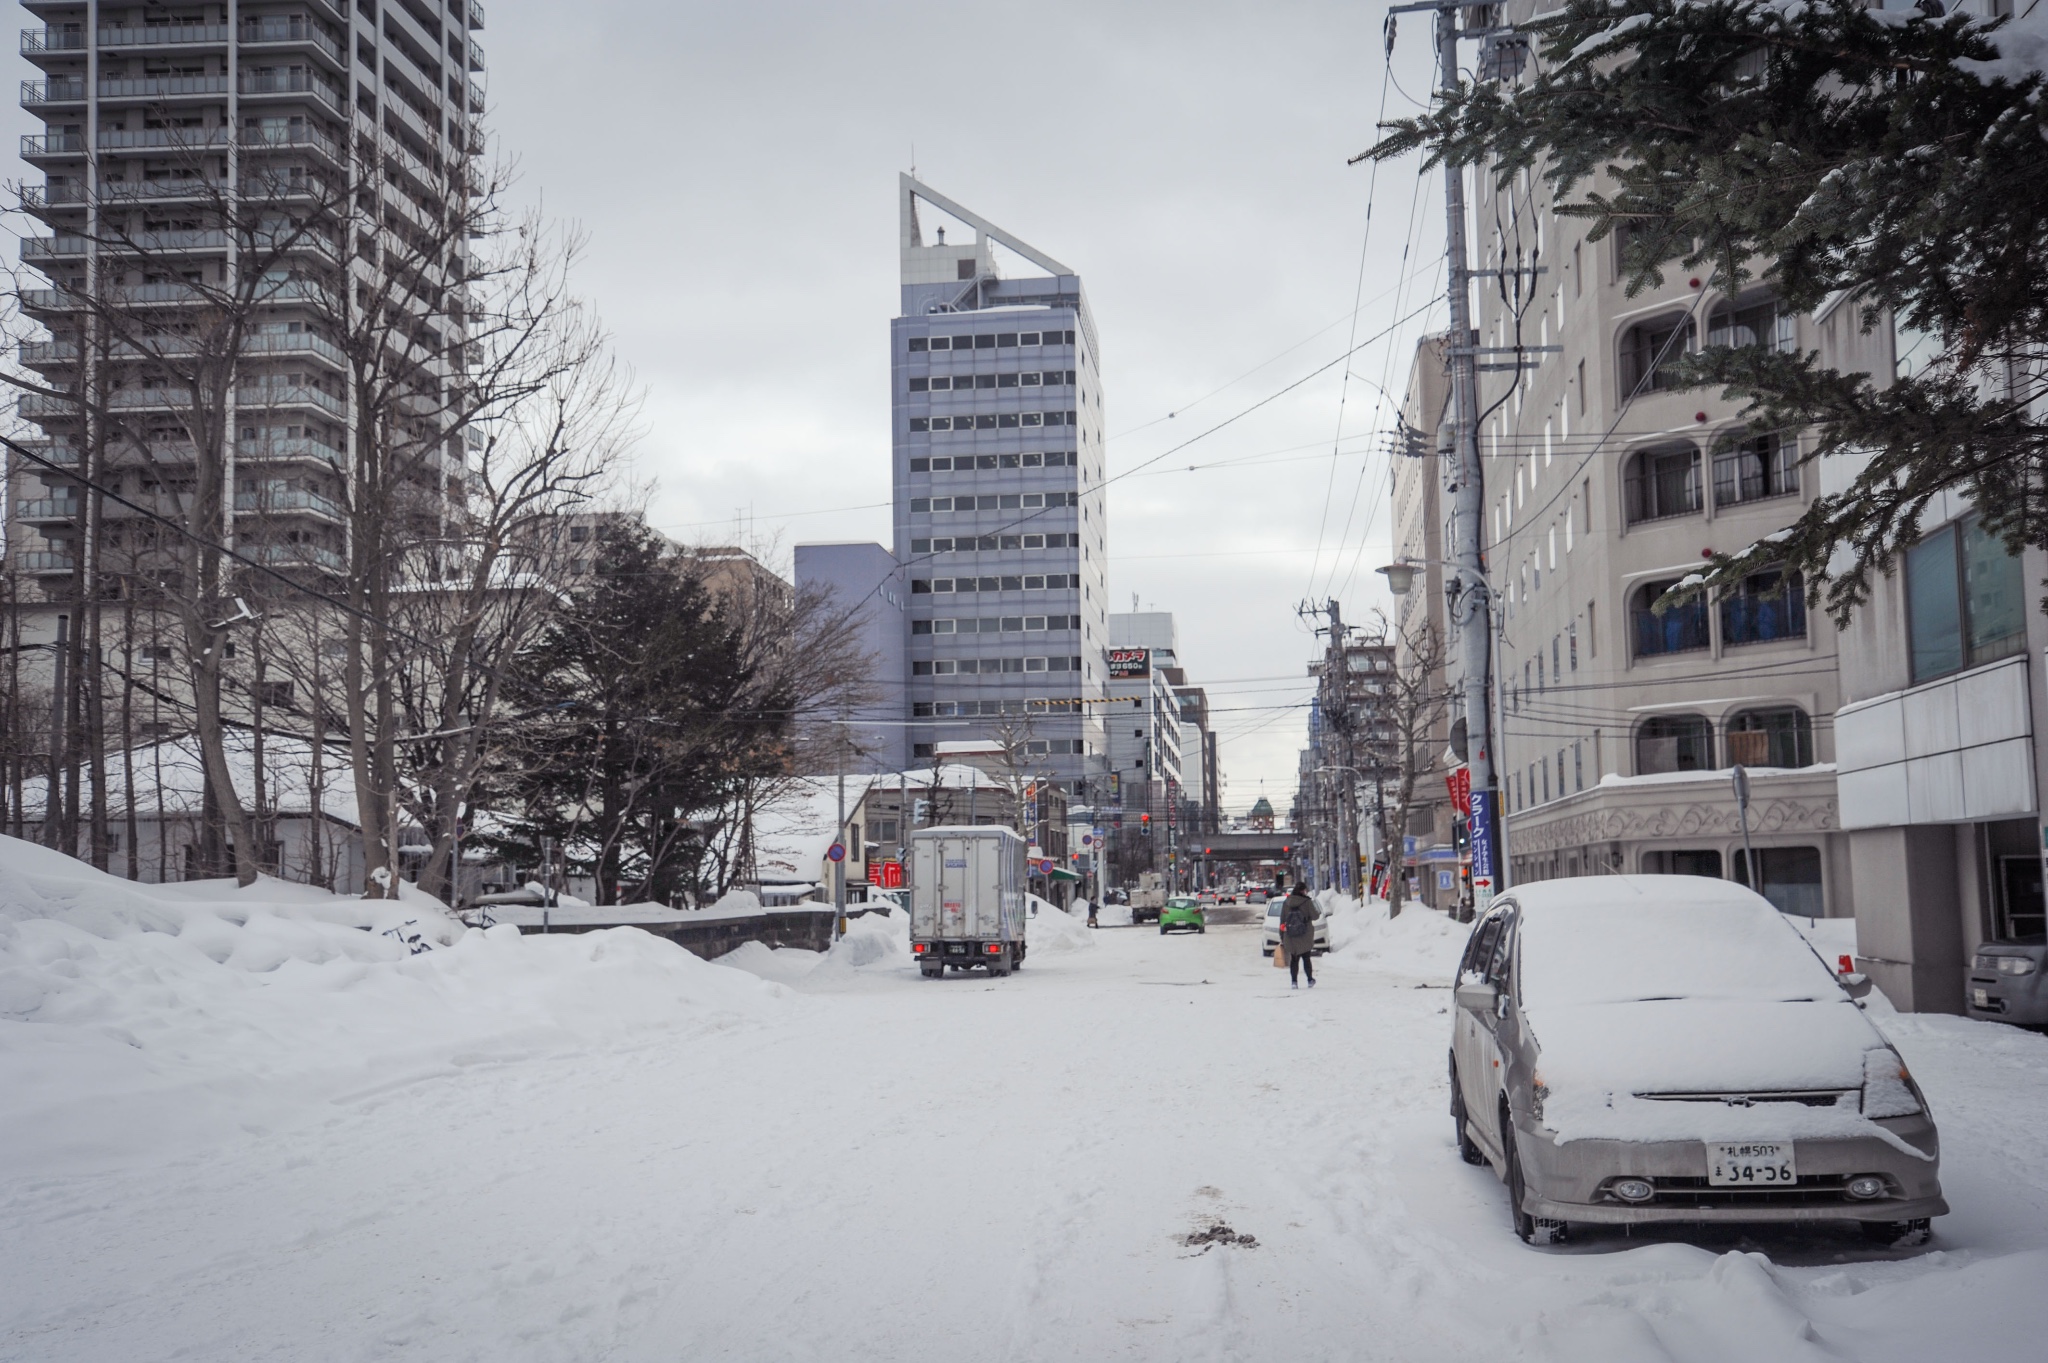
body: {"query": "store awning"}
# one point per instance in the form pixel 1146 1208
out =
pixel 1058 874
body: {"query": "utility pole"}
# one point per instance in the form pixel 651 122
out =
pixel 1471 595
pixel 1337 712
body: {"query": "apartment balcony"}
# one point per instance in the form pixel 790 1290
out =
pixel 145 243
pixel 289 499
pixel 476 97
pixel 165 139
pixel 48 509
pixel 55 451
pixel 409 119
pixel 476 14
pixel 292 31
pixel 163 35
pixel 298 556
pixel 271 399
pixel 155 88
pixel 37 42
pixel 52 146
pixel 295 449
pixel 56 354
pixel 476 55
pixel 41 95
pixel 258 83
pixel 46 562
pixel 292 139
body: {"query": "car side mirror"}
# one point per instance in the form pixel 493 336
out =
pixel 1479 996
pixel 1856 984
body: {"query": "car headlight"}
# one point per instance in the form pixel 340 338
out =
pixel 1887 1087
pixel 2015 965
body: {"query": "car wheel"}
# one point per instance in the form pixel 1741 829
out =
pixel 1468 1149
pixel 1201 927
pixel 1162 929
pixel 1899 1234
pixel 1533 1230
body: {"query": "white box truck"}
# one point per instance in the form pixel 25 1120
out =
pixel 967 899
pixel 1148 899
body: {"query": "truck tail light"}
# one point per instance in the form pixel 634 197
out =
pixel 994 948
pixel 919 948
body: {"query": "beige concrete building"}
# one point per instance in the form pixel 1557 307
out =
pixel 1606 483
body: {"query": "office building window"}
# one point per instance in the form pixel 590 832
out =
pixel 1751 468
pixel 1965 601
pixel 1680 629
pixel 1791 878
pixel 1668 743
pixel 1683 862
pixel 1647 352
pixel 1755 321
pixel 1663 483
pixel 1781 737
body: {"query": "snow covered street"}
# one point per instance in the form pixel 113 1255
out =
pixel 834 1159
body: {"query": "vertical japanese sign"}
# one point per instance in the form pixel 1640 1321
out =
pixel 1459 783
pixel 1481 825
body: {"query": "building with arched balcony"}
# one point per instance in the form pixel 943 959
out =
pixel 1625 697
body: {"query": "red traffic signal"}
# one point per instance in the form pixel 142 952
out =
pixel 1144 818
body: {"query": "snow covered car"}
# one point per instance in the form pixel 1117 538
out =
pixel 1271 937
pixel 1182 912
pixel 2008 982
pixel 1630 1049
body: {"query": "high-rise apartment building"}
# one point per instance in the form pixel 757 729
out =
pixel 216 179
pixel 999 508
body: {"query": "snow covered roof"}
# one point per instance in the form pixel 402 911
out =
pixel 793 830
pixel 169 782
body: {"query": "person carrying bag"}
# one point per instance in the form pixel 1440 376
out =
pixel 1297 937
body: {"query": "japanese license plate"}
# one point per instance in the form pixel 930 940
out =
pixel 1751 1164
pixel 1981 997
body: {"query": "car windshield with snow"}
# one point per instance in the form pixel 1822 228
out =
pixel 1631 1049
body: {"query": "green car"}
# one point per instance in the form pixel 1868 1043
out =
pixel 1181 911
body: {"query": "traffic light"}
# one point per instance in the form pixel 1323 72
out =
pixel 1144 818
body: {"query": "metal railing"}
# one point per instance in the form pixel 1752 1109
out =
pixel 46 561
pixel 56 90
pixel 298 556
pixel 52 144
pixel 177 139
pixel 287 499
pixel 34 40
pixel 48 509
pixel 291 29
pixel 163 35
pixel 160 87
pixel 299 82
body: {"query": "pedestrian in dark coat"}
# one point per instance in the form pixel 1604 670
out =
pixel 1298 936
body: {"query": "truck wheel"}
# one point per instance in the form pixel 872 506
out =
pixel 931 972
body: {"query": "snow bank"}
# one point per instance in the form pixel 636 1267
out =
pixel 1052 930
pixel 1114 915
pixel 1421 942
pixel 118 1000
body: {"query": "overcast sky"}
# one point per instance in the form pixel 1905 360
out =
pixel 735 167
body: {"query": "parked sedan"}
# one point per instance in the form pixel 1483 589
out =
pixel 1183 912
pixel 1271 937
pixel 1631 1049
pixel 2008 982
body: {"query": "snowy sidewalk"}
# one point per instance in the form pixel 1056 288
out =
pixel 859 1164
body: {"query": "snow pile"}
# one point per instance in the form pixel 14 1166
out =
pixel 119 1000
pixel 872 941
pixel 1421 942
pixel 1114 915
pixel 1053 930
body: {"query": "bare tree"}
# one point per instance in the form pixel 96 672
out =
pixel 1415 703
